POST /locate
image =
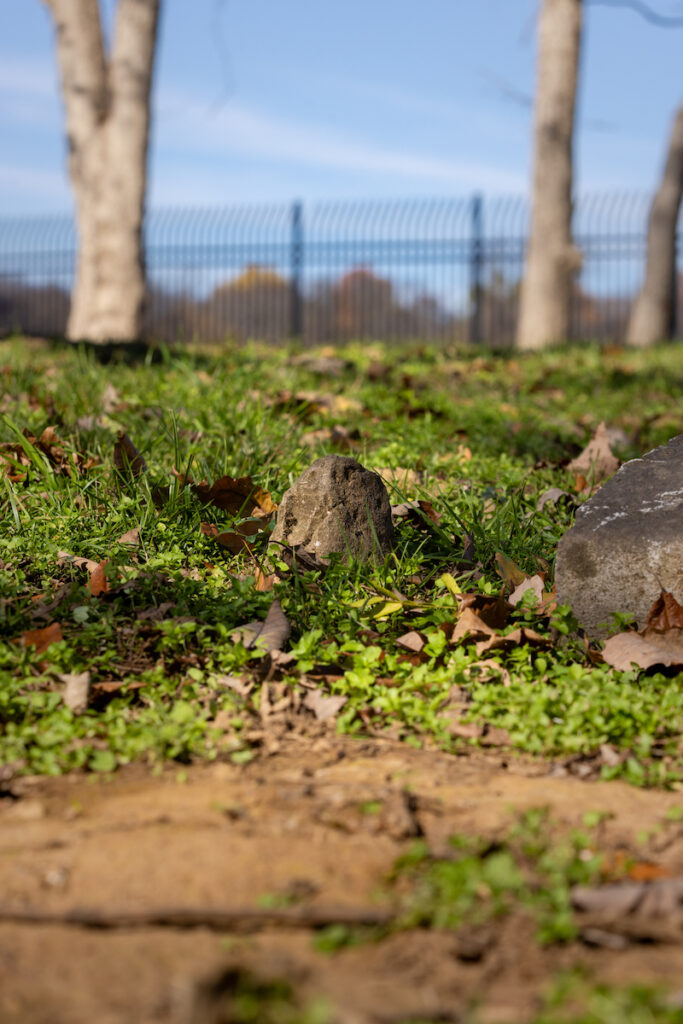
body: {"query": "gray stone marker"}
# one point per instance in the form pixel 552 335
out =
pixel 336 505
pixel 627 543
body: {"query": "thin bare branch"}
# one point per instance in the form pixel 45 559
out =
pixel 644 10
pixel 215 918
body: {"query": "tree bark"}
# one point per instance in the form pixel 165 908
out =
pixel 551 260
pixel 107 111
pixel 651 316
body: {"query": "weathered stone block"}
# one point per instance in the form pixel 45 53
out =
pixel 336 505
pixel 627 543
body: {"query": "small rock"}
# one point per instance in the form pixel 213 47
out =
pixel 626 545
pixel 336 505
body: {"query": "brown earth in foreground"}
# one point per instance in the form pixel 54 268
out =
pixel 298 824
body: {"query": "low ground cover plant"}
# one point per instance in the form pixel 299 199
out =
pixel 136 505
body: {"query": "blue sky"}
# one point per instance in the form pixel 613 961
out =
pixel 267 100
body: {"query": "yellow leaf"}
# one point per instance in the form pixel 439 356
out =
pixel 450 583
pixel 388 609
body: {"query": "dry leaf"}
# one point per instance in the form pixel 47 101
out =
pixel 42 638
pixel 337 436
pixel 399 477
pixel 489 669
pixel 492 609
pixel 323 707
pixel 127 458
pixel 76 691
pixel 532 583
pixel 597 461
pixel 644 650
pixel 132 537
pixel 109 686
pixel 416 511
pixel 262 582
pixel 98 582
pixel 509 571
pixel 515 638
pixel 82 563
pixel 239 539
pixel 270 635
pixel 236 495
pixel 470 626
pixel 666 613
pixel 552 496
pixel 17 461
pixel 411 641
pixel 240 684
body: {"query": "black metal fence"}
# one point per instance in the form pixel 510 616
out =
pixel 438 269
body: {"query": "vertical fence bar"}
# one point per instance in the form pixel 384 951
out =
pixel 476 266
pixel 297 261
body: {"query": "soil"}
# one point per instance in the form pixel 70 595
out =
pixel 318 825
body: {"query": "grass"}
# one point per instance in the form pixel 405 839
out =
pixel 486 435
pixel 575 999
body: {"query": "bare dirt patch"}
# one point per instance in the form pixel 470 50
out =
pixel 314 829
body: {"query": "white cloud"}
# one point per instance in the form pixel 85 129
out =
pixel 188 127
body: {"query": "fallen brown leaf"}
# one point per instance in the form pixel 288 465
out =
pixel 17 461
pixel 98 582
pixel 666 613
pixel 131 537
pixel 597 461
pixel 127 459
pixel 324 707
pixel 509 571
pixel 417 512
pixel 399 477
pixel 262 582
pixel 515 638
pixel 644 650
pixel 492 609
pixel 553 496
pixel 270 634
pixel 41 639
pixel 337 436
pixel 411 641
pixel 82 563
pixel 488 669
pixel 241 538
pixel 535 584
pixel 236 495
pixel 470 626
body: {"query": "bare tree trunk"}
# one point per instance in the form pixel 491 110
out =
pixel 106 100
pixel 552 260
pixel 650 319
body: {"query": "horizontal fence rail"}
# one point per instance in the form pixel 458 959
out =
pixel 435 269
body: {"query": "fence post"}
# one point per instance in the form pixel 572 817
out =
pixel 476 266
pixel 297 266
